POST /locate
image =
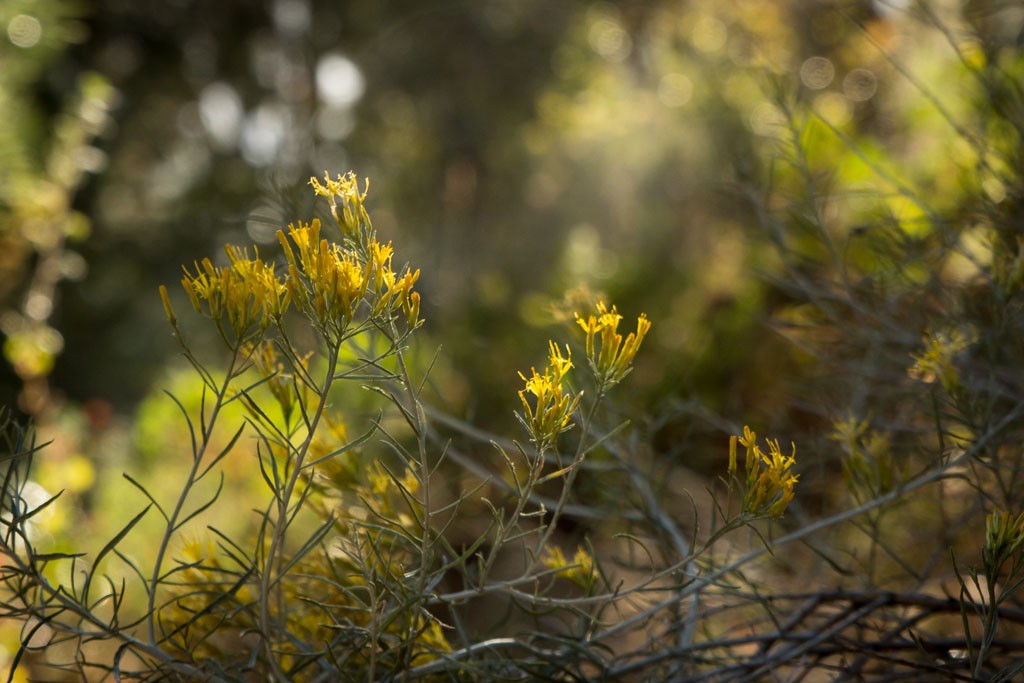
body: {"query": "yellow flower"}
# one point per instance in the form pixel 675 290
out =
pixel 332 284
pixel 166 299
pixel 350 214
pixel 553 406
pixel 262 283
pixel 412 310
pixel 327 281
pixel 580 570
pixel 392 292
pixel 938 358
pixel 400 290
pixel 1004 535
pixel 380 264
pixel 614 359
pixel 247 291
pixel 770 482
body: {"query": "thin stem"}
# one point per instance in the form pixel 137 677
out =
pixel 570 479
pixel 524 495
pixel 172 520
pixel 272 559
pixel 417 416
pixel 988 632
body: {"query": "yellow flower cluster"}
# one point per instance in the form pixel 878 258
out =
pixel 770 482
pixel 390 291
pixel 246 291
pixel 614 359
pixel 937 362
pixel 554 406
pixel 868 465
pixel 1004 535
pixel 351 215
pixel 328 282
pixel 580 570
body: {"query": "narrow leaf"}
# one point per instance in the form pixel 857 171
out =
pixel 152 500
pixel 110 546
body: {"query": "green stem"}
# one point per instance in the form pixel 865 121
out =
pixel 172 521
pixel 988 630
pixel 419 419
pixel 272 560
pixel 570 478
pixel 524 496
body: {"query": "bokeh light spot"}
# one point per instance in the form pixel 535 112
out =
pixel 220 110
pixel 263 134
pixel 709 34
pixel 610 40
pixel 860 85
pixel 994 189
pixel 766 119
pixel 817 73
pixel 24 30
pixel 675 90
pixel 73 266
pixel 339 82
pixel 292 17
pixel 263 223
pixel 334 123
pixel 38 306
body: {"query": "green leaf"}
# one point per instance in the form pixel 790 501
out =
pixel 110 546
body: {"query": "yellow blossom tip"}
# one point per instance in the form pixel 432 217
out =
pixel 165 298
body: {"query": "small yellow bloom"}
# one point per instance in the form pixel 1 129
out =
pixel 331 282
pixel 553 406
pixel 1004 534
pixel 327 281
pixel 350 214
pixel 580 570
pixel 412 310
pixel 261 282
pixel 938 360
pixel 165 298
pixel 614 359
pixel 770 482
pixel 247 291
pixel 397 292
pixel 380 263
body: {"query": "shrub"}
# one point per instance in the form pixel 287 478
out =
pixel 349 570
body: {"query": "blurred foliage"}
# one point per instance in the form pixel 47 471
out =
pixel 43 160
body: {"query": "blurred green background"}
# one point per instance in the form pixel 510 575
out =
pixel 722 165
pixel 517 150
